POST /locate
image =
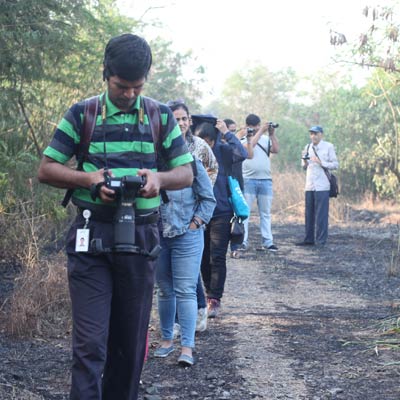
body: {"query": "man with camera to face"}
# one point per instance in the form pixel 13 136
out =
pixel 117 185
pixel 260 142
pixel 317 156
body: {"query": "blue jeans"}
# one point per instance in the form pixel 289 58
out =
pixel 260 189
pixel 177 274
pixel 317 214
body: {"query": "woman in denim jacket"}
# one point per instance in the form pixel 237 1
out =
pixel 183 219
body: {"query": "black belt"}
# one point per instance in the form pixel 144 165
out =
pixel 108 216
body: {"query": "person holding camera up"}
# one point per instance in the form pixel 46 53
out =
pixel 316 156
pixel 260 141
pixel 228 151
pixel 111 290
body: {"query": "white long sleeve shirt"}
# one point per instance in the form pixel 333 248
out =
pixel 316 179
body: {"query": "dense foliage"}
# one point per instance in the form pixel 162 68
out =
pixel 51 53
pixel 51 56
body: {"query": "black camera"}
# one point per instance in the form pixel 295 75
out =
pixel 306 157
pixel 250 131
pixel 126 190
pixel 272 126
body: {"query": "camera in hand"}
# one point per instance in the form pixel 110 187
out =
pixel 126 190
pixel 250 131
pixel 272 126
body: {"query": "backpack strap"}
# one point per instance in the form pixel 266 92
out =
pixel 88 125
pixel 154 115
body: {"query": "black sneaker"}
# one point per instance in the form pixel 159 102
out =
pixel 243 247
pixel 264 247
pixel 304 243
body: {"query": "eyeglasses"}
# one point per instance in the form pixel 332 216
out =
pixel 173 103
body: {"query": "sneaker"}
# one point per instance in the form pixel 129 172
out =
pixel 163 352
pixel 272 248
pixel 264 247
pixel 213 306
pixel 176 331
pixel 243 247
pixel 201 324
pixel 235 254
pixel 185 361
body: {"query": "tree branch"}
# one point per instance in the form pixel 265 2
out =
pixel 369 65
pixel 30 127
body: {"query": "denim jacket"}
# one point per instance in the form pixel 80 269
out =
pixel 197 200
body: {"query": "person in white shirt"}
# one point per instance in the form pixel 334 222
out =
pixel 260 142
pixel 317 156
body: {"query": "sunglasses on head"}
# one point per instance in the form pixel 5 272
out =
pixel 172 103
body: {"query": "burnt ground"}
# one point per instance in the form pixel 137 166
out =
pixel 303 323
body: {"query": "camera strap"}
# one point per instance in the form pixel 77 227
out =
pixel 267 152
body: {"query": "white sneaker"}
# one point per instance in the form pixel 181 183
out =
pixel 201 324
pixel 177 330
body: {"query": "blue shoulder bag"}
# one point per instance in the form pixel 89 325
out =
pixel 237 200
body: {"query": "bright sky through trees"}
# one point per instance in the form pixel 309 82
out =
pixel 227 35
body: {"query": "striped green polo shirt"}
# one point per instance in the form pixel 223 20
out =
pixel 122 144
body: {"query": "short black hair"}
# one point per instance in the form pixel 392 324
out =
pixel 207 130
pixel 253 120
pixel 127 56
pixel 229 121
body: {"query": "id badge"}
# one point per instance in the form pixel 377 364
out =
pixel 82 240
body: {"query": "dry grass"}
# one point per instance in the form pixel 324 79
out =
pixel 288 205
pixel 39 303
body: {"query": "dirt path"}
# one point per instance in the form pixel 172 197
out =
pixel 298 324
pixel 286 319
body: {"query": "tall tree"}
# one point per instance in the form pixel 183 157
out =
pixel 379 48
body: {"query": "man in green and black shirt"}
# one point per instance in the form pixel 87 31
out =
pixel 111 294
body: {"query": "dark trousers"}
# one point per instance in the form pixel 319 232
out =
pixel 317 214
pixel 213 263
pixel 111 296
pixel 201 299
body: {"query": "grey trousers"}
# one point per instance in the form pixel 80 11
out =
pixel 317 214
